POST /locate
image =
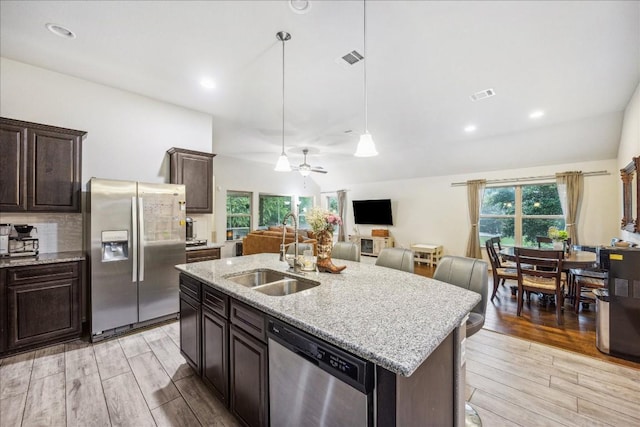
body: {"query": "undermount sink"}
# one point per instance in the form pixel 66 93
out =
pixel 255 278
pixel 285 287
pixel 272 283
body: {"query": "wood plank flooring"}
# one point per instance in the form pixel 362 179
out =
pixel 141 380
pixel 538 323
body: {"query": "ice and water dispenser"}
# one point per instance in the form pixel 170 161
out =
pixel 115 245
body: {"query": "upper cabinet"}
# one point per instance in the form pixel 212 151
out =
pixel 40 167
pixel 194 169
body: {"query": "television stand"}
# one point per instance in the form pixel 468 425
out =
pixel 370 245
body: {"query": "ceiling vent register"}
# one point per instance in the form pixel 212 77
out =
pixel 483 94
pixel 352 57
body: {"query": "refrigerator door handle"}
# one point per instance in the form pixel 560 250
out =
pixel 141 246
pixel 134 237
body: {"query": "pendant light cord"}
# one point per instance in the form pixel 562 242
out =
pixel 283 95
pixel 366 113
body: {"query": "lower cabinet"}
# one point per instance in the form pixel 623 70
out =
pixel 42 304
pixel 248 378
pixel 225 341
pixel 215 354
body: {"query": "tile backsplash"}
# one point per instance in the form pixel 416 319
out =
pixel 57 232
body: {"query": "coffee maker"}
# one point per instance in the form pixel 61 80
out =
pixel 23 244
pixel 5 231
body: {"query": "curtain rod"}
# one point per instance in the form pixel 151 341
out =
pixel 529 178
pixel 334 191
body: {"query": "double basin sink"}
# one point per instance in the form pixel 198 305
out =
pixel 273 283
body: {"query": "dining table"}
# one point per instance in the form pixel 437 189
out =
pixel 575 259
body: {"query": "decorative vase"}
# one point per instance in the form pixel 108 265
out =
pixel 558 245
pixel 325 243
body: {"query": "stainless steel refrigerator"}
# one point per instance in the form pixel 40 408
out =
pixel 136 235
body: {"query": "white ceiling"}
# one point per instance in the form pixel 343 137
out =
pixel 578 61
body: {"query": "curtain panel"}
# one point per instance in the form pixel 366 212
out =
pixel 475 192
pixel 342 211
pixel 570 188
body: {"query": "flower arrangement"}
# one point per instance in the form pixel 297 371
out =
pixel 321 220
pixel 556 234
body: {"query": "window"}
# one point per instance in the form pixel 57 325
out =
pixel 272 209
pixel 518 214
pixel 238 214
pixel 304 204
pixel 332 206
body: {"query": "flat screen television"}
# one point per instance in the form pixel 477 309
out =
pixel 375 212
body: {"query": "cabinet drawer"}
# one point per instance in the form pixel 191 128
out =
pixel 249 320
pixel 203 255
pixel 215 301
pixel 42 273
pixel 190 287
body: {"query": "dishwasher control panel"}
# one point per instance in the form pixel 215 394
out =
pixel 345 366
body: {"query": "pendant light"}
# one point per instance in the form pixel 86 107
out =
pixel 366 146
pixel 283 161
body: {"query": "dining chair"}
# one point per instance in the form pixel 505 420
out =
pixel 540 271
pixel 500 273
pixel 398 258
pixel 346 250
pixel 585 280
pixel 543 241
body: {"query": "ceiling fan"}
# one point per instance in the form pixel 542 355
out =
pixel 305 168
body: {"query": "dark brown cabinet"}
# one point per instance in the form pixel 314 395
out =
pixel 207 254
pixel 42 304
pixel 40 167
pixel 230 350
pixel 190 321
pixel 215 354
pixel 248 378
pixel 194 169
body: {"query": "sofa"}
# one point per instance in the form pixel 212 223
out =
pixel 268 241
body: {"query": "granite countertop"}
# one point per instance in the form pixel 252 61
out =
pixel 209 245
pixel 389 317
pixel 42 259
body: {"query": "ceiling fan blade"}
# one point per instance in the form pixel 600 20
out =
pixel 318 170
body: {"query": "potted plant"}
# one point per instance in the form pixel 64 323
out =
pixel 558 236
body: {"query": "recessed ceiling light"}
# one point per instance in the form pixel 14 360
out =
pixel 61 31
pixel 536 114
pixel 470 128
pixel 300 6
pixel 207 83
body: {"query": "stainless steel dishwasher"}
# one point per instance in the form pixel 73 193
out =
pixel 313 383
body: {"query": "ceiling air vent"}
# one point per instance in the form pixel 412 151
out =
pixel 350 58
pixel 487 93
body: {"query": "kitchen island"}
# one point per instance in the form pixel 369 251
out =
pixel 407 325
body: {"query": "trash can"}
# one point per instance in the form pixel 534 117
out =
pixel 602 320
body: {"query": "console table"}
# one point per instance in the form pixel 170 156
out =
pixel 430 254
pixel 371 246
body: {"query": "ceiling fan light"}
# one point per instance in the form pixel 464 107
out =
pixel 305 170
pixel 283 164
pixel 366 146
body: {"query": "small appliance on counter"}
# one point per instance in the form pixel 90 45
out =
pixel 19 244
pixel 5 232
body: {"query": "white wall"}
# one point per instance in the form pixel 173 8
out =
pixel 239 175
pixel 430 210
pixel 629 148
pixel 127 134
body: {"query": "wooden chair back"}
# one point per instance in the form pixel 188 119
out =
pixel 543 240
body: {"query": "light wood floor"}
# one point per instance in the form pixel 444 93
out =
pixel 141 379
